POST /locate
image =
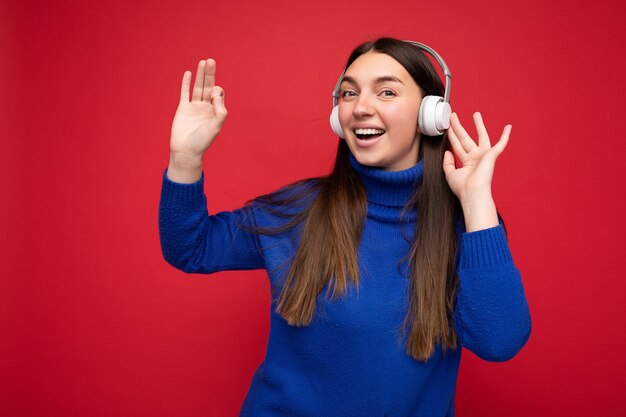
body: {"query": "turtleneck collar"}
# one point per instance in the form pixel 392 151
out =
pixel 388 188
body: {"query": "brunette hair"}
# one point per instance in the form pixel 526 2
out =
pixel 329 215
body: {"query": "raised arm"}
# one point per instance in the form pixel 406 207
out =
pixel 191 239
pixel 491 315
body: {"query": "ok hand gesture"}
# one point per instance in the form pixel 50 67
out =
pixel 197 121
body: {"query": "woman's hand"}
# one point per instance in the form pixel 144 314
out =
pixel 196 124
pixel 197 121
pixel 472 181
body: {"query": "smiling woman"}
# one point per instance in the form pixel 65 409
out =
pixel 380 271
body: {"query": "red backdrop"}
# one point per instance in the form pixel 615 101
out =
pixel 94 322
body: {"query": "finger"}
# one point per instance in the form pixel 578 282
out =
pixel 197 85
pixel 184 88
pixel 456 144
pixel 215 92
pixel 209 79
pixel 219 108
pixel 504 139
pixel 465 139
pixel 216 95
pixel 448 163
pixel 483 137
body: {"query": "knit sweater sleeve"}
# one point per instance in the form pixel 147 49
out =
pixel 491 317
pixel 196 242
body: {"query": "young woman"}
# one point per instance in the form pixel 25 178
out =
pixel 380 271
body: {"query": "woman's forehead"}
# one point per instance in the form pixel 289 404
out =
pixel 376 67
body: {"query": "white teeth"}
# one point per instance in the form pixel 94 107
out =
pixel 369 131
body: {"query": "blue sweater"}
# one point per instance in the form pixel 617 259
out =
pixel 349 361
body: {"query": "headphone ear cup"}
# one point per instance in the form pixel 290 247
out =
pixel 334 122
pixel 434 116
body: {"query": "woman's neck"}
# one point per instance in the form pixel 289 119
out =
pixel 388 188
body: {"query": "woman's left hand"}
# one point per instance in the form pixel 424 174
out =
pixel 472 181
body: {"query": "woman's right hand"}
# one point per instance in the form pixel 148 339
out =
pixel 197 121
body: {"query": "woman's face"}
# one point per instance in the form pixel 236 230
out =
pixel 378 106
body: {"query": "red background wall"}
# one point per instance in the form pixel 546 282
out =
pixel 93 321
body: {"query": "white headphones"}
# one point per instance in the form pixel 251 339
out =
pixel 434 113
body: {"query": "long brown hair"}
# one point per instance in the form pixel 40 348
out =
pixel 329 216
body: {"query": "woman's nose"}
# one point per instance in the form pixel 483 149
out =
pixel 363 106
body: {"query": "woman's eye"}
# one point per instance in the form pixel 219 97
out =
pixel 388 93
pixel 347 93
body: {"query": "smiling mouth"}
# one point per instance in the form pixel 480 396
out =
pixel 366 134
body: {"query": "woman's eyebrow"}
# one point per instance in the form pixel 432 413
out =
pixel 378 80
